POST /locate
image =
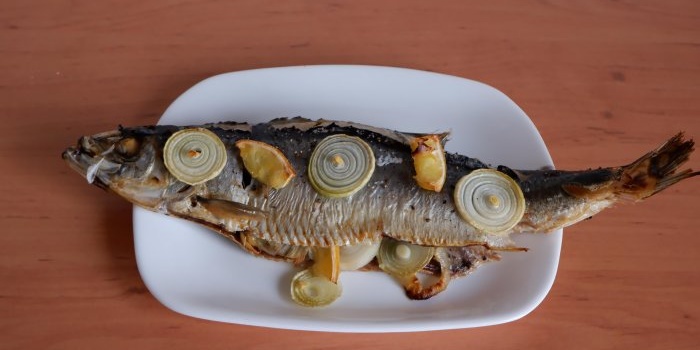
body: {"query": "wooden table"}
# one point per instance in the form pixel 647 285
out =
pixel 604 81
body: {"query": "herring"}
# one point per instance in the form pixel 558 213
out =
pixel 285 223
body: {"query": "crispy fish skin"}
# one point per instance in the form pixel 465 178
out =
pixel 390 205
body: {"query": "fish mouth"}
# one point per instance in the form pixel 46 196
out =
pixel 85 158
pixel 75 159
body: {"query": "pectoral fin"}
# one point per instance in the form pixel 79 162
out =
pixel 227 210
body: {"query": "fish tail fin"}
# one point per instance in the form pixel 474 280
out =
pixel 656 170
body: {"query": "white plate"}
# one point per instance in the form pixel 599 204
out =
pixel 193 271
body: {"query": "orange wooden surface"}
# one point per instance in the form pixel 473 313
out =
pixel 604 81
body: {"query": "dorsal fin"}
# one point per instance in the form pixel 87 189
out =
pixel 304 124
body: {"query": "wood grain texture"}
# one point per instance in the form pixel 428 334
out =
pixel 604 81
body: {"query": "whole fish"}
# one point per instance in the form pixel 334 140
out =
pixel 288 222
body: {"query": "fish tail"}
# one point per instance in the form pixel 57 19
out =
pixel 656 170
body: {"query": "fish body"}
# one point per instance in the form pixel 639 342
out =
pixel 285 223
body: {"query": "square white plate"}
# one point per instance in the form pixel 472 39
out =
pixel 193 271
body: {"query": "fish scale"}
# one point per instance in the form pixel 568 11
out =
pixel 371 211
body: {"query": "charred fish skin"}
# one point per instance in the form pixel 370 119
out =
pixel 389 205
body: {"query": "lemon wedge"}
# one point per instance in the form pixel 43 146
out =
pixel 265 163
pixel 429 162
pixel 327 263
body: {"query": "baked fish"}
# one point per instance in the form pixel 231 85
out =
pixel 338 185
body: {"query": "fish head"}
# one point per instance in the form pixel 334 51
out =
pixel 127 161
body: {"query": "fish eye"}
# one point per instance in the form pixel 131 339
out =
pixel 127 147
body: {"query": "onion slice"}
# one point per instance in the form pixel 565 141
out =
pixel 312 290
pixel 400 258
pixel 194 155
pixel 489 200
pixel 340 165
pixel 353 257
